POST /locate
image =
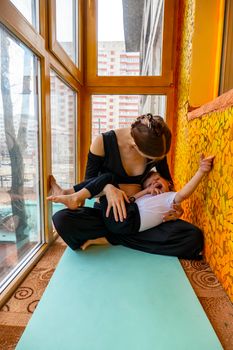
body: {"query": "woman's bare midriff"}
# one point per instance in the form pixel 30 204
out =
pixel 130 189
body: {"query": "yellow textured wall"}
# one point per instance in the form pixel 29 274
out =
pixel 211 206
pixel 185 53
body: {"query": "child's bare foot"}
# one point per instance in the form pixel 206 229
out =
pixel 69 200
pixel 97 241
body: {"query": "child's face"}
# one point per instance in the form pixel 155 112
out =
pixel 156 181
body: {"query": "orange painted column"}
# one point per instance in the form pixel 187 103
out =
pixel 206 51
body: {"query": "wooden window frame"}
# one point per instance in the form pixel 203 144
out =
pixel 57 49
pixel 70 85
pixel 18 25
pixel 167 76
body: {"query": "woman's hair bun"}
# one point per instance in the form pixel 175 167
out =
pixel 151 134
pixel 154 122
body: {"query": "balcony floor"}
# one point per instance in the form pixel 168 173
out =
pixel 16 313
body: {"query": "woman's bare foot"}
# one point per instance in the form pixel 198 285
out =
pixel 71 201
pixel 97 241
pixel 55 189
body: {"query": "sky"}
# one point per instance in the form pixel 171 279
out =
pixel 110 20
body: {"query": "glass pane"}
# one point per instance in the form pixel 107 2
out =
pixel 29 9
pixel 63 113
pixel 130 37
pixel 120 111
pixel 20 209
pixel 67 26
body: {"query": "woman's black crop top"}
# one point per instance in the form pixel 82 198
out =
pixel 111 163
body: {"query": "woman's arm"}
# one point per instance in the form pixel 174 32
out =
pixel 116 198
pixel 95 158
pixel 96 185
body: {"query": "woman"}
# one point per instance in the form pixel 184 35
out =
pixel 129 154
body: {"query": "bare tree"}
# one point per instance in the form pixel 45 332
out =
pixel 16 144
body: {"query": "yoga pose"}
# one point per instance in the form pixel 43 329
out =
pixel 129 154
pixel 147 207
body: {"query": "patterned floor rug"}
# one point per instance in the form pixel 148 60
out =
pixel 16 313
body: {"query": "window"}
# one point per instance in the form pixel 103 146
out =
pixel 121 33
pixel 67 27
pixel 126 109
pixel 136 39
pixel 65 41
pixel 20 195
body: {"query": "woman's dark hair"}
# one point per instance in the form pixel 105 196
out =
pixel 151 135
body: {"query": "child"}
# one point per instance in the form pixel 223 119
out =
pixel 145 210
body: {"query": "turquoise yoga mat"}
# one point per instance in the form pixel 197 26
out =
pixel 114 298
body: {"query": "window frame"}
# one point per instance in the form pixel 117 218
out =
pixel 169 46
pixel 76 123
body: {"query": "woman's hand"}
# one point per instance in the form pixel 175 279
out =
pixel 175 213
pixel 116 199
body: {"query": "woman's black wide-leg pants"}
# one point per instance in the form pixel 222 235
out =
pixel 176 238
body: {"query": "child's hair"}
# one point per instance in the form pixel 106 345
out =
pixel 151 135
pixel 152 172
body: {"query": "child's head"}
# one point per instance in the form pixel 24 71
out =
pixel 155 179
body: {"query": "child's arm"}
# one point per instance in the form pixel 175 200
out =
pixel 140 194
pixel 189 188
pixel 148 190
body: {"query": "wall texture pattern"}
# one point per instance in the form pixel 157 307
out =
pixel 211 206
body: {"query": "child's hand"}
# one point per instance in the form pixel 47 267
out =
pixel 206 164
pixel 152 189
pixel 174 213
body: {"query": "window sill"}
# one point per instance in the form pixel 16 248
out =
pixel 219 104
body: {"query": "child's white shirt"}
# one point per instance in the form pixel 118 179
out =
pixel 153 207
